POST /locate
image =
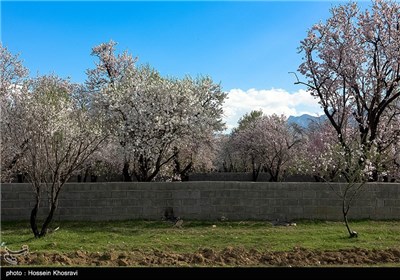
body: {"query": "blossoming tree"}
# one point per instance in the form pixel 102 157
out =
pixel 13 75
pixel 269 143
pixel 351 63
pixel 58 135
pixel 151 116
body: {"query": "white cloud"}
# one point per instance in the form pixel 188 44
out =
pixel 278 101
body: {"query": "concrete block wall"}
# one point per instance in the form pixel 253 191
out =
pixel 244 176
pixel 203 201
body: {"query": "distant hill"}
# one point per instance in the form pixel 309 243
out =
pixel 305 120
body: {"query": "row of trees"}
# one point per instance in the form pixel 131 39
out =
pixel 270 144
pixel 153 127
pixel 124 119
pixel 159 128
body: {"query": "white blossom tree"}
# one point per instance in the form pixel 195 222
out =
pixel 12 77
pixel 151 116
pixel 12 71
pixel 59 136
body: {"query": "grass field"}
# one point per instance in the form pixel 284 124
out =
pixel 195 235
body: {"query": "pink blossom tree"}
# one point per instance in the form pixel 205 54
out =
pixel 316 156
pixel 269 143
pixel 351 63
pixel 228 158
pixel 323 156
pixel 244 144
pixel 194 155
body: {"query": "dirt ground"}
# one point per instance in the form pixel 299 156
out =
pixel 298 257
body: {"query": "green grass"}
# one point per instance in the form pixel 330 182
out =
pixel 194 235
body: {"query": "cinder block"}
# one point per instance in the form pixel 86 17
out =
pixel 281 210
pixel 289 202
pixel 133 194
pixel 207 194
pixel 379 203
pixel 8 204
pixel 130 202
pixel 296 210
pixel 66 203
pixel 294 194
pixel 223 209
pixel 163 194
pixel 256 202
pixel 217 201
pixel 98 203
pixel 118 194
pixel 325 194
pixel 121 187
pixel 309 194
pixel 330 202
pixel 390 202
pixel 119 210
pixel 265 210
pixel 26 195
pixel 280 194
pixel 276 202
pixel 191 209
pixel 333 213
pixel 251 194
pixel 308 202
pixel 15 212
pixel 72 195
pixel 134 211
pixel 190 202
pixel 101 195
pixel 361 212
pixel 114 202
pixel 83 203
pixel 224 193
pixel 313 212
pixel 8 195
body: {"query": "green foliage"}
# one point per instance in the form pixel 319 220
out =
pixel 248 118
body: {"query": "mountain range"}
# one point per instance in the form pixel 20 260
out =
pixel 305 120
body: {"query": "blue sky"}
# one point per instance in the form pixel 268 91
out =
pixel 249 47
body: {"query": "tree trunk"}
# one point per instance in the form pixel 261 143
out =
pixel 125 172
pixel 274 177
pixel 185 172
pixel 345 211
pixel 256 170
pixel 20 178
pixel 33 219
pixel 48 219
pixel 86 174
pixel 93 178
